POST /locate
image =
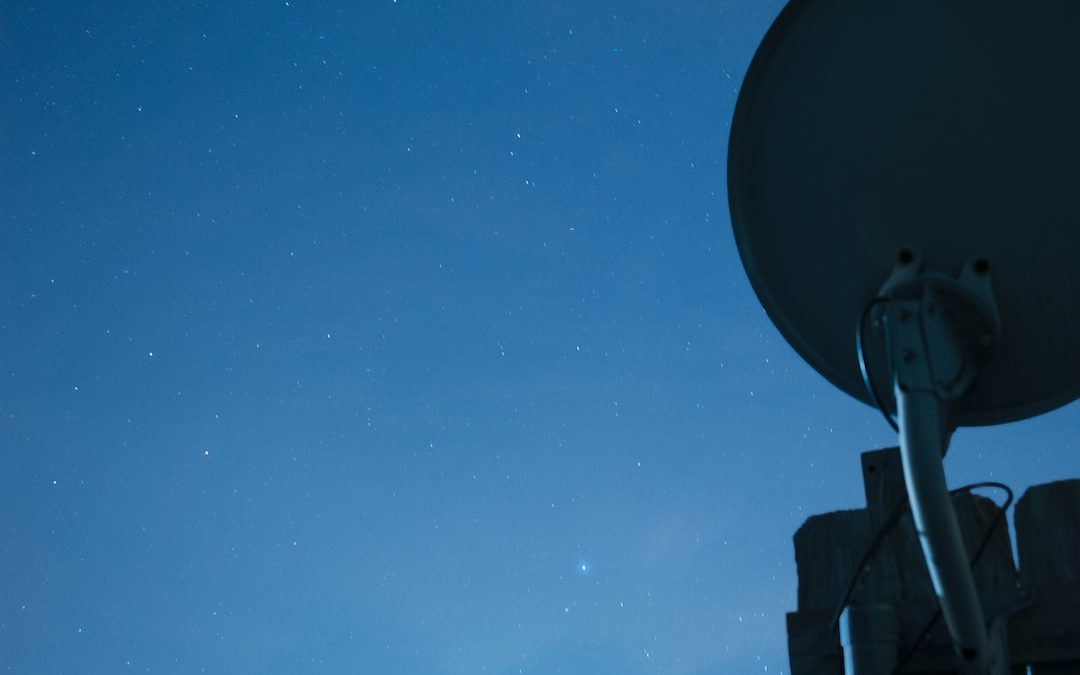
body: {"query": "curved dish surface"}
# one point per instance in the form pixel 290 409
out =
pixel 951 128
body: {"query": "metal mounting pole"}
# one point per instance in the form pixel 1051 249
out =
pixel 870 637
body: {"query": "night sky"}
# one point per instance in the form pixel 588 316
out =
pixel 401 337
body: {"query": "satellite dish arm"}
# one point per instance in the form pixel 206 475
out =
pixel 938 333
pixel 922 441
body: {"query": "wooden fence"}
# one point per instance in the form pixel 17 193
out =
pixel 1037 606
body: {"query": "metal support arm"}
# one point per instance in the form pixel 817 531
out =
pixel 921 444
pixel 938 334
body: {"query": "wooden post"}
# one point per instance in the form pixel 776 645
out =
pixel 823 548
pixel 1048 541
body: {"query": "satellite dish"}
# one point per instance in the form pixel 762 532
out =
pixel 951 129
pixel 915 165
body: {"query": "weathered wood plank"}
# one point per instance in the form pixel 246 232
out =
pixel 812 648
pixel 1046 632
pixel 827 548
pixel 1048 534
pixel 1048 542
pixel 883 482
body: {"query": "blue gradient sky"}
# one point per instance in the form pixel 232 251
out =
pixel 337 337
